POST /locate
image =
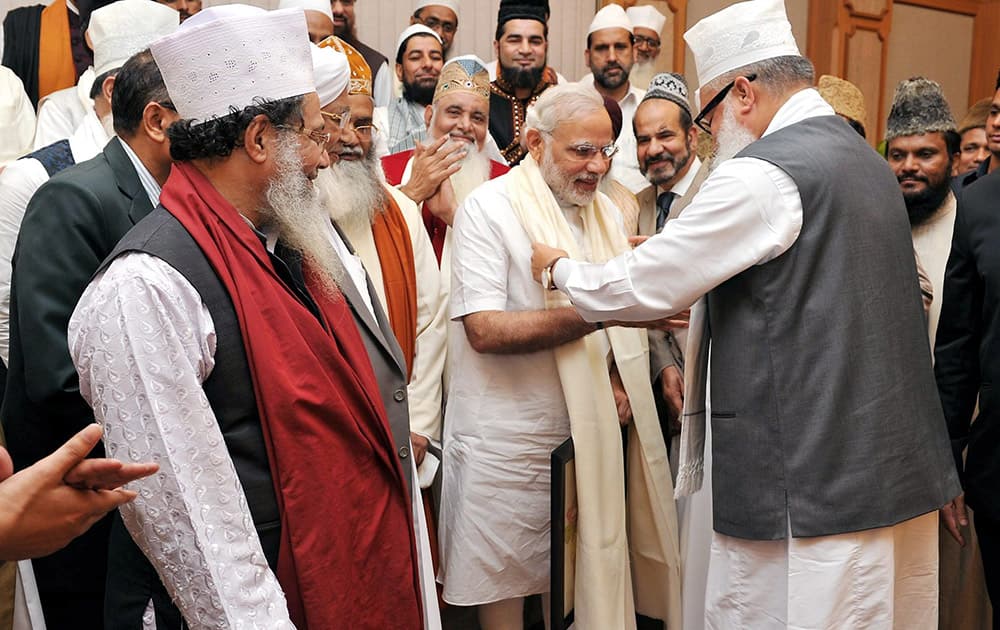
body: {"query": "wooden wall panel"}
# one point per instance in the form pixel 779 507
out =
pixel 947 63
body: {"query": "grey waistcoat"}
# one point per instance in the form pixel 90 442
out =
pixel 824 406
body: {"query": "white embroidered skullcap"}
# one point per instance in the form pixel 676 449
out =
pixel 646 17
pixel 450 4
pixel 331 71
pixel 231 63
pixel 415 29
pixel 611 16
pixel 121 29
pixel 322 6
pixel 740 34
pixel 221 12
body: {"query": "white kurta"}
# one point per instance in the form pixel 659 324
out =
pixel 61 112
pixel 424 389
pixel 144 343
pixel 18 182
pixel 932 242
pixel 746 213
pixel 505 416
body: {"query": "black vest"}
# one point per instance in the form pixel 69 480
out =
pixel 229 389
pixel 824 405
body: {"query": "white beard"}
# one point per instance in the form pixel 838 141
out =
pixel 731 139
pixel 561 185
pixel 295 213
pixel 353 192
pixel 474 172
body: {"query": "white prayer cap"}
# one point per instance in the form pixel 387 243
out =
pixel 646 17
pixel 322 6
pixel 231 63
pixel 331 71
pixel 221 12
pixel 740 34
pixel 611 16
pixel 415 29
pixel 121 29
pixel 450 4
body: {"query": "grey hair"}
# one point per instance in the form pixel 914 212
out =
pixel 775 75
pixel 562 103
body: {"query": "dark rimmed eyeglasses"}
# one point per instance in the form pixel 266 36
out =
pixel 706 125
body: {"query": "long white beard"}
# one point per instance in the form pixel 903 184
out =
pixel 353 192
pixel 474 172
pixel 731 138
pixel 296 214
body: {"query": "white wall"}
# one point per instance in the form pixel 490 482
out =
pixel 381 21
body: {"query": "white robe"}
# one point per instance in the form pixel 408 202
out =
pixel 61 112
pixel 505 416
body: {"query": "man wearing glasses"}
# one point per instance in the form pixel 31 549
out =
pixel 527 372
pixel 218 340
pixel 647 25
pixel 441 16
pixel 830 457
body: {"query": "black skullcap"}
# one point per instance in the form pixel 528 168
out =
pixel 537 10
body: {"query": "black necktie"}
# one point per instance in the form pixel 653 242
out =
pixel 663 201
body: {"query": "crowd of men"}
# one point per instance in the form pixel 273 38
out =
pixel 335 311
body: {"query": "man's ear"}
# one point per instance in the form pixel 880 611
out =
pixel 256 140
pixel 744 94
pixel 536 144
pixel 108 87
pixel 155 120
pixel 399 71
pixel 428 114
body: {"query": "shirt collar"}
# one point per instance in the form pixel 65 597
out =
pixel 683 184
pixel 149 183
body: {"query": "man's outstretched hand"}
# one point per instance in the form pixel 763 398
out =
pixel 46 505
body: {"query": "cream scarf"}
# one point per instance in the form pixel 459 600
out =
pixel 609 530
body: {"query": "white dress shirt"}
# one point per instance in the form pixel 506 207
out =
pixel 746 213
pixel 625 165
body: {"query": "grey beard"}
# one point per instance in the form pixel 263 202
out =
pixel 731 139
pixel 353 192
pixel 294 212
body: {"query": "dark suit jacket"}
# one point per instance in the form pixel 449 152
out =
pixel 71 224
pixel 967 352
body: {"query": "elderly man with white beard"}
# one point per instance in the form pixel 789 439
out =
pixel 386 231
pixel 439 176
pixel 225 340
pixel 829 450
pixel 527 373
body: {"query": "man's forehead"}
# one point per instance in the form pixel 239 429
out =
pixel 464 100
pixel 523 28
pixel 917 141
pixel 422 42
pixel 609 36
pixel 657 111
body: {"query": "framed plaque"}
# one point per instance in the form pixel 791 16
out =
pixel 564 530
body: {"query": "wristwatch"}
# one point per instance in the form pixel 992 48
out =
pixel 548 281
